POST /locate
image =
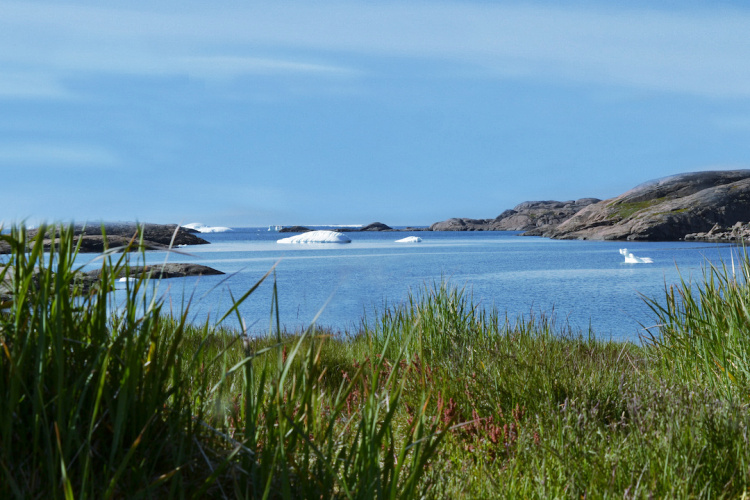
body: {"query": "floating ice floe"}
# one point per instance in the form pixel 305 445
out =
pixel 410 239
pixel 202 228
pixel 632 259
pixel 317 237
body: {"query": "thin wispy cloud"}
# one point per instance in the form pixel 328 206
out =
pixel 57 156
pixel 232 66
pixel 19 85
pixel 701 52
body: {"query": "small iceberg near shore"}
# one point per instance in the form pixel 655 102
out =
pixel 410 239
pixel 202 228
pixel 316 237
pixel 632 259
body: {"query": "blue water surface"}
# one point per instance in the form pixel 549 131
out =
pixel 585 283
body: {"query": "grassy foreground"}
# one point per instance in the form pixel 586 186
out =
pixel 439 399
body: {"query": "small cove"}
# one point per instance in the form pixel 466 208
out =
pixel 584 283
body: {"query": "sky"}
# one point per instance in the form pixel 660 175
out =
pixel 246 113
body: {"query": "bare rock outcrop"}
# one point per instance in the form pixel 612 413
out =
pixel 162 271
pixel 531 216
pixel 739 232
pixel 666 209
pixel 376 226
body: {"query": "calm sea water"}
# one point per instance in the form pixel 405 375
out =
pixel 585 283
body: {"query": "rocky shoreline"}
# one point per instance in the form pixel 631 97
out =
pixel 159 271
pixel 738 233
pixel 530 216
pixel 695 206
pixel 86 281
pixel 119 235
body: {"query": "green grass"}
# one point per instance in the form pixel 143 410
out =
pixel 705 327
pixel 624 210
pixel 438 398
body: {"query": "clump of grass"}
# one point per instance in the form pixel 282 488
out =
pixel 105 400
pixel 704 329
pixel 624 210
pixel 541 411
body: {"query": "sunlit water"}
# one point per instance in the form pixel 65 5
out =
pixel 586 283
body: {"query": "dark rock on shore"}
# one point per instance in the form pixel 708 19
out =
pixel 96 244
pixel 530 216
pixel 740 232
pixel 120 234
pixel 462 224
pixel 86 280
pixel 162 271
pixel 376 226
pixel 696 204
pixel 161 234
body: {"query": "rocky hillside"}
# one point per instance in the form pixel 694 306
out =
pixel 666 209
pixel 531 216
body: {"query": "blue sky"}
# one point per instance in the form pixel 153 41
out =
pixel 249 113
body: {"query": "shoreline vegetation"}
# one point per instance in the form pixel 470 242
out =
pixel 438 398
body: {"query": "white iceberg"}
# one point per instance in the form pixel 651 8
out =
pixel 316 237
pixel 410 239
pixel 632 259
pixel 202 228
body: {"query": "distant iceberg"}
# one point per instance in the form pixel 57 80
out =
pixel 316 237
pixel 202 228
pixel 632 259
pixel 410 239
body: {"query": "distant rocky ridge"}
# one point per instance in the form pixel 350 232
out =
pixel 374 226
pixel 696 205
pixel 119 234
pixel 533 217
